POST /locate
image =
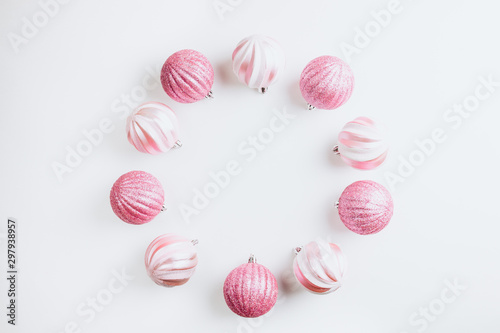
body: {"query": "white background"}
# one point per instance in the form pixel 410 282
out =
pixel 65 79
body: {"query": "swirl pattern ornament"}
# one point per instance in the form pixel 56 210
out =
pixel 153 128
pixel 362 144
pixel 250 290
pixel 171 260
pixel 187 76
pixel 326 83
pixel 258 61
pixel 319 267
pixel 365 207
pixel 137 197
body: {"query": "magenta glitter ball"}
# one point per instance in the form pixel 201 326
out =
pixel 326 83
pixel 187 76
pixel 365 207
pixel 250 290
pixel 136 197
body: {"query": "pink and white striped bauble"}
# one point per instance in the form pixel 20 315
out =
pixel 153 128
pixel 250 290
pixel 258 61
pixel 365 207
pixel 171 260
pixel 187 76
pixel 362 144
pixel 326 83
pixel 136 197
pixel 319 266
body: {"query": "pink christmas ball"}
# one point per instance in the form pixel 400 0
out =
pixel 319 267
pixel 153 128
pixel 187 76
pixel 258 61
pixel 250 290
pixel 136 197
pixel 365 207
pixel 171 260
pixel 362 144
pixel 326 83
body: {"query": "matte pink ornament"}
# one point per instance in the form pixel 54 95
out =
pixel 362 144
pixel 250 290
pixel 319 266
pixel 153 128
pixel 137 197
pixel 365 207
pixel 326 83
pixel 171 260
pixel 187 76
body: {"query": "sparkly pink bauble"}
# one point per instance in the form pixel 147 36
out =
pixel 362 144
pixel 153 128
pixel 326 82
pixel 171 260
pixel 365 207
pixel 250 290
pixel 319 266
pixel 136 197
pixel 258 61
pixel 187 76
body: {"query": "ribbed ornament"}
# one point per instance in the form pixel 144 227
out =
pixel 365 207
pixel 187 76
pixel 319 266
pixel 258 61
pixel 153 128
pixel 326 83
pixel 362 144
pixel 171 260
pixel 250 290
pixel 137 197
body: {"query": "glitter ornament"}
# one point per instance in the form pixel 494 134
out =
pixel 365 207
pixel 362 144
pixel 258 61
pixel 319 266
pixel 326 83
pixel 153 128
pixel 187 76
pixel 137 197
pixel 171 260
pixel 250 290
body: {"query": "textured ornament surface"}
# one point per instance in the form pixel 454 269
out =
pixel 365 207
pixel 258 61
pixel 137 197
pixel 250 290
pixel 187 76
pixel 319 266
pixel 170 260
pixel 326 82
pixel 362 144
pixel 153 128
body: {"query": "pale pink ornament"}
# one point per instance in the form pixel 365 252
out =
pixel 326 83
pixel 365 207
pixel 171 260
pixel 137 197
pixel 258 61
pixel 187 76
pixel 153 128
pixel 250 290
pixel 319 266
pixel 362 144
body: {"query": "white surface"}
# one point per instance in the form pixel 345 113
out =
pixel 446 223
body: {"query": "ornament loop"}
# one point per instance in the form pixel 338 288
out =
pixel 336 150
pixel 252 259
pixel 210 95
pixel 263 90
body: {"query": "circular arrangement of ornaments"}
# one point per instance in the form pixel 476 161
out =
pixel 365 207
